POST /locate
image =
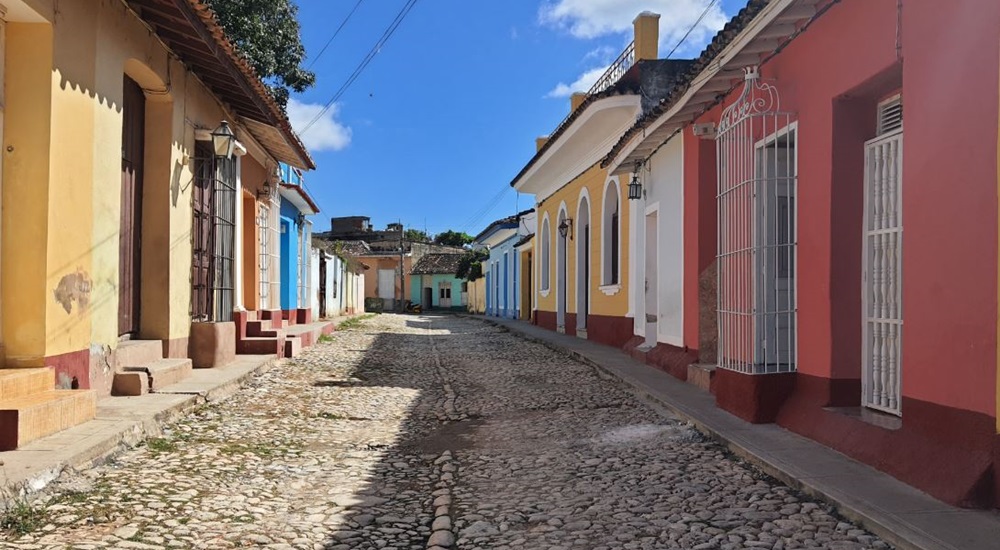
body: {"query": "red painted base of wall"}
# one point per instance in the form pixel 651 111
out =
pixel 72 369
pixel 669 359
pixel 545 319
pixel 303 316
pixel 290 316
pixel 950 453
pixel 754 398
pixel 608 330
pixel 570 328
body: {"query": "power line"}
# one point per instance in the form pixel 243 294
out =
pixel 364 62
pixel 689 31
pixel 335 33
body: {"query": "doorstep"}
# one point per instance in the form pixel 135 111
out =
pixel 124 422
pixel 891 509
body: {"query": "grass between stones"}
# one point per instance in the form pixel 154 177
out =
pixel 353 322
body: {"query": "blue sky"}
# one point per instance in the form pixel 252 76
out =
pixel 447 112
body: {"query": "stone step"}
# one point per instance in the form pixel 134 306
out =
pixel 701 375
pixel 26 419
pixel 15 383
pixel 261 329
pixel 293 346
pixel 164 372
pixel 130 384
pixel 137 352
pixel 260 346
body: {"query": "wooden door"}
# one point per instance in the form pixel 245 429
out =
pixel 130 236
pixel 201 233
pixel 322 287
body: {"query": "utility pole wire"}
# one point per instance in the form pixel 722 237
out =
pixel 688 33
pixel 335 33
pixel 389 31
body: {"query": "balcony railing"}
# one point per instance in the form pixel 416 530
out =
pixel 615 71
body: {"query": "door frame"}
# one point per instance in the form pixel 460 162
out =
pixel 130 272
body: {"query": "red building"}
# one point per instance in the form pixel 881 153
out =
pixel 822 313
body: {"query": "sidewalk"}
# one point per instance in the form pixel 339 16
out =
pixel 124 422
pixel 894 511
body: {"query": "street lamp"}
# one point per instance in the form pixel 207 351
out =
pixel 635 186
pixel 564 226
pixel 223 140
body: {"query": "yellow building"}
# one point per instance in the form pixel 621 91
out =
pixel 580 256
pixel 121 243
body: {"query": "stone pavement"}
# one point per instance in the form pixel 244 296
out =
pixel 899 513
pixel 432 433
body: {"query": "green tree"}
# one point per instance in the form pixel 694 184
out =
pixel 453 238
pixel 416 236
pixel 267 33
pixel 470 267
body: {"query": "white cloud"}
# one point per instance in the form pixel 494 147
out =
pixel 581 84
pixel 326 134
pixel 595 18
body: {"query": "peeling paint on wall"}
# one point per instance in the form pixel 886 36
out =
pixel 74 287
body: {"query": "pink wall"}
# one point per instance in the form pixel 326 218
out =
pixel 950 75
pixel 840 67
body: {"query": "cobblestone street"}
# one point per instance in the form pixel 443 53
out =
pixel 423 432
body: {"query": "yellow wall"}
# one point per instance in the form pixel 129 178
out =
pixel 62 169
pixel 477 296
pixel 593 180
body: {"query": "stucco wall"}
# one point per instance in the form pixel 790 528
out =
pixel 663 183
pixel 591 184
pixel 62 168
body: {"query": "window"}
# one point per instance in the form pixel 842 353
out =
pixel 546 258
pixel 465 287
pixel 446 292
pixel 610 251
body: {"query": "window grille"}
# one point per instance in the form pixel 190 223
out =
pixel 883 259
pixel 214 233
pixel 546 263
pixel 264 222
pixel 757 183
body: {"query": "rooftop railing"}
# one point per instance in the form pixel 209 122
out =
pixel 622 64
pixel 617 70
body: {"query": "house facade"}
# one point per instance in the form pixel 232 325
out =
pixel 295 244
pixel 581 257
pixel 435 285
pixel 785 150
pixel 128 155
pixel 502 270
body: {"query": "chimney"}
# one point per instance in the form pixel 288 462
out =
pixel 646 28
pixel 539 142
pixel 575 100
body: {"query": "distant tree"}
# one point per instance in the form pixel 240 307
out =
pixel 470 267
pixel 416 236
pixel 267 33
pixel 453 238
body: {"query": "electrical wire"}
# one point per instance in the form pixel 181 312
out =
pixel 389 31
pixel 335 33
pixel 693 27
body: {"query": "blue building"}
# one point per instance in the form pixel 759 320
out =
pixel 295 238
pixel 502 269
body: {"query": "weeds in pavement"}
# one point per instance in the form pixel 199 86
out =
pixel 354 322
pixel 161 445
pixel 325 339
pixel 19 515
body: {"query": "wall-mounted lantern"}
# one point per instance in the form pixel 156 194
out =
pixel 224 140
pixel 635 191
pixel 565 226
